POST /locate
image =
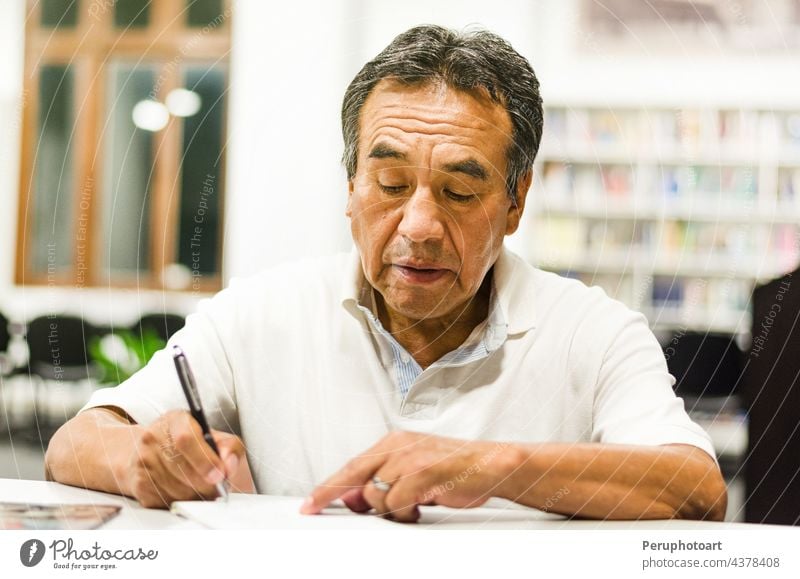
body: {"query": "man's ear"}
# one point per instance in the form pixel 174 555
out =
pixel 516 208
pixel 349 210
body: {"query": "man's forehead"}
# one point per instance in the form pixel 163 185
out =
pixel 434 100
pixel 466 166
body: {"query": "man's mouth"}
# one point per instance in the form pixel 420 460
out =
pixel 422 273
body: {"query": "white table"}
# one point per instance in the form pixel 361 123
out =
pixel 503 516
pixel 132 515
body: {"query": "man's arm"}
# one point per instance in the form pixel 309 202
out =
pixel 90 449
pixel 602 481
pixel 587 480
pixel 168 460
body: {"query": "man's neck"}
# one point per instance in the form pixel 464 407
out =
pixel 429 339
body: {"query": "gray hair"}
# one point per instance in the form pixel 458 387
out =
pixel 468 61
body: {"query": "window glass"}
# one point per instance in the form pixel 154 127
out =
pixel 59 13
pixel 201 172
pixel 132 13
pixel 128 172
pixel 53 189
pixel 201 13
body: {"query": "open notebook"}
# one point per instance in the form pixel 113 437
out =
pixel 271 512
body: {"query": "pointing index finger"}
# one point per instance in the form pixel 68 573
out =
pixel 354 474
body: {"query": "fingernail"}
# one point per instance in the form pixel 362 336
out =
pixel 231 464
pixel 215 476
pixel 308 506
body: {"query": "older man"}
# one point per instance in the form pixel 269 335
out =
pixel 464 372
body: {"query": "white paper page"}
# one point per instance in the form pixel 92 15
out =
pixel 268 512
pixel 271 512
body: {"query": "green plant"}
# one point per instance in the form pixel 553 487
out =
pixel 121 354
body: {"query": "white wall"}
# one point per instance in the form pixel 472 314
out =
pixel 382 20
pixel 574 67
pixel 286 190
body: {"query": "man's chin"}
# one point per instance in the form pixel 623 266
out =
pixel 419 309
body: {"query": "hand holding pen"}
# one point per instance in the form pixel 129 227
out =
pixel 171 461
pixel 196 409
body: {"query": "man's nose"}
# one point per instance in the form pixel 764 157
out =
pixel 422 217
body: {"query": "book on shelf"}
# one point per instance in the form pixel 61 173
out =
pixel 678 211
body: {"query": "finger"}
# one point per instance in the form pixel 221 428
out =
pixel 154 484
pixel 204 467
pixel 403 500
pixel 407 514
pixel 231 451
pixel 235 468
pixel 180 480
pixel 376 497
pixel 355 474
pixel 242 480
pixel 355 501
pixel 153 469
pixel 177 489
pixel 146 475
pixel 148 493
pixel 234 456
pixel 184 483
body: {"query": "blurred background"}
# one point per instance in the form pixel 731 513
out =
pixel 152 150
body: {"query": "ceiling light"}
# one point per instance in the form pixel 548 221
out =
pixel 182 102
pixel 150 115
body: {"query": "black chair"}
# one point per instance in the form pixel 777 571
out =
pixel 704 364
pixel 57 346
pixel 5 340
pixel 164 325
pixel 707 370
pixel 5 366
pixel 57 353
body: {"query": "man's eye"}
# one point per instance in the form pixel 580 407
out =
pixel 392 188
pixel 459 197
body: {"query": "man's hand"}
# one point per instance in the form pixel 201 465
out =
pixel 422 469
pixel 171 461
pixel 104 449
pixel 599 481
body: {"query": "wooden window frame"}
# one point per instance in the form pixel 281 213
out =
pixel 88 48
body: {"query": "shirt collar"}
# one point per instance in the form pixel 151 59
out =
pixel 353 283
pixel 513 289
pixel 515 280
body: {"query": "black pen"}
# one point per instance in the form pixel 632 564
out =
pixel 193 398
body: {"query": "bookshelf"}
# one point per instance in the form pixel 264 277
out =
pixel 676 211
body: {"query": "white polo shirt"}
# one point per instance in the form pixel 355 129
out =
pixel 290 360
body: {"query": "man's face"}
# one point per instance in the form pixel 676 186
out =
pixel 428 206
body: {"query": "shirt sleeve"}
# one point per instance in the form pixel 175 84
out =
pixel 634 401
pixel 155 389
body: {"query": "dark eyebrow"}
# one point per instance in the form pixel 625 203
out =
pixel 469 167
pixel 384 151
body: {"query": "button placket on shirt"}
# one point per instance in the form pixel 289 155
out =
pixel 417 397
pixel 422 396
